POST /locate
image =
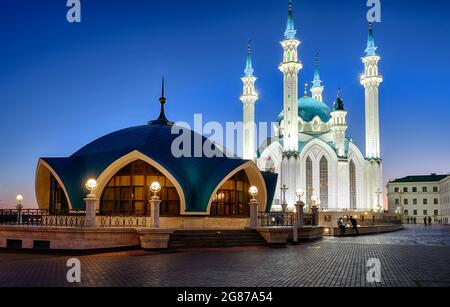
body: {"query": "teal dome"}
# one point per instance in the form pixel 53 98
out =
pixel 309 108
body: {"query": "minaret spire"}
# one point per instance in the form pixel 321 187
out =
pixel 290 67
pixel 162 119
pixel 249 66
pixel 249 98
pixel 290 28
pixel 317 88
pixel 371 48
pixel 371 79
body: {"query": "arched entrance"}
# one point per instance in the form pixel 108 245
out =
pixel 232 199
pixel 128 191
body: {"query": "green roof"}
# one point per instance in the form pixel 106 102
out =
pixel 421 178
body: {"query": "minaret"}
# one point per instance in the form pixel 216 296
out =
pixel 371 80
pixel 339 125
pixel 249 98
pixel 290 67
pixel 317 88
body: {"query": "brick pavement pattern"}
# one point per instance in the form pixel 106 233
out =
pixel 414 257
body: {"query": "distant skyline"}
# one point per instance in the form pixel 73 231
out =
pixel 64 85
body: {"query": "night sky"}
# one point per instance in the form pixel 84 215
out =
pixel 63 85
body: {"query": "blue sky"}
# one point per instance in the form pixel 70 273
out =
pixel 63 85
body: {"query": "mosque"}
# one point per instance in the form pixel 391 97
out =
pixel 310 150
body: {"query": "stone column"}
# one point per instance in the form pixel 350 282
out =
pixel 300 214
pixel 315 215
pixel 253 214
pixel 91 209
pixel 155 203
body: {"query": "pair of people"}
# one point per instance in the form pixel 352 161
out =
pixel 342 226
pixel 427 221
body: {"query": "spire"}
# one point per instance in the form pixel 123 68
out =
pixel 317 82
pixel 162 119
pixel 371 48
pixel 249 66
pixel 339 103
pixel 290 29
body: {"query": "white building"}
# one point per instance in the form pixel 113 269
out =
pixel 311 150
pixel 444 189
pixel 419 196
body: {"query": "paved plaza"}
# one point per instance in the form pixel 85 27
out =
pixel 416 257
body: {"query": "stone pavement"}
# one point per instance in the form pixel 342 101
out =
pixel 414 257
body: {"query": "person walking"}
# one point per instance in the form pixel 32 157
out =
pixel 355 225
pixel 425 221
pixel 430 221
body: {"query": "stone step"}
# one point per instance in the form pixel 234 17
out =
pixel 208 238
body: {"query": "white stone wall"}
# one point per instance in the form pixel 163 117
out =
pixel 292 173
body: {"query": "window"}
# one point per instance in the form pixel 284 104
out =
pixel 424 190
pixel 324 183
pixel 128 191
pixel 405 201
pixel 352 185
pixel 405 190
pixel 309 180
pixel 436 212
pixel 406 212
pixel 436 201
pixel 425 212
pixel 232 198
pixel 58 200
pixel 414 189
pixel 396 190
pixel 415 212
pixel 435 189
pixel 397 201
pixel 415 201
pixel 425 201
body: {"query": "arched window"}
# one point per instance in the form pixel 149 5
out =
pixel 309 180
pixel 128 191
pixel 232 199
pixel 352 185
pixel 324 182
pixel 58 200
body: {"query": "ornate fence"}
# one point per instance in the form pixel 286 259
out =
pixel 276 219
pixel 122 219
pixel 43 218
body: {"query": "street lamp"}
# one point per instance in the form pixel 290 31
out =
pixel 19 199
pixel 91 185
pixel 300 194
pixel 284 189
pixel 155 188
pixel 314 200
pixel 253 192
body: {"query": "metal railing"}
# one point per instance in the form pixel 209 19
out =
pixel 276 219
pixel 43 218
pixel 122 219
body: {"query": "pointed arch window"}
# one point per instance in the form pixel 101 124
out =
pixel 324 182
pixel 309 180
pixel 352 185
pixel 128 191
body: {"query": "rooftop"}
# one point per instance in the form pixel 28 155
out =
pixel 420 178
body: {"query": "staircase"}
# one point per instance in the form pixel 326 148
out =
pixel 215 238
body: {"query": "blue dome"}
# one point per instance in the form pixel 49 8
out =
pixel 198 177
pixel 309 108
